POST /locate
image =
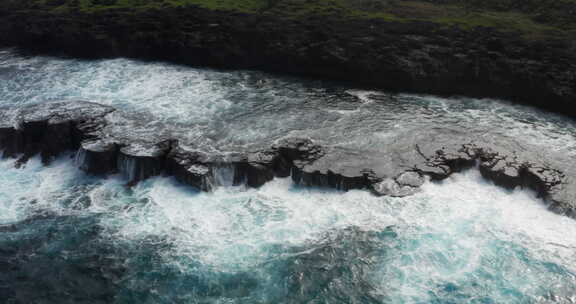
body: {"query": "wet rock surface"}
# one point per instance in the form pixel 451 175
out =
pixel 49 130
pixel 112 141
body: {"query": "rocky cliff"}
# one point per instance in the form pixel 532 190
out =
pixel 110 141
pixel 414 48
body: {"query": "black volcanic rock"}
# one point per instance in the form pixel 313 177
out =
pixel 97 157
pixel 110 141
pixel 48 129
pixel 406 55
pixel 259 168
pixel 188 166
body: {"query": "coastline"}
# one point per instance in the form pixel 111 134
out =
pixel 104 147
pixel 406 55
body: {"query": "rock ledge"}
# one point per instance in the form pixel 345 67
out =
pixel 109 141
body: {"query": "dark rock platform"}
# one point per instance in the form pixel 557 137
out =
pixel 111 141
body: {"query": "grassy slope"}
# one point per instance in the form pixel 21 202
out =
pixel 533 18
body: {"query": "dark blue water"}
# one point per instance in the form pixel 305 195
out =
pixel 69 238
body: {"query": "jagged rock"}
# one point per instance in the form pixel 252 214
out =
pixel 138 161
pixel 189 167
pixel 98 157
pixel 343 169
pixel 255 174
pixel 302 150
pixel 391 187
pixel 502 173
pixel 510 165
pixel 261 167
pixel 48 129
pixel 328 179
pixel 110 141
pixel 407 183
pixel 411 179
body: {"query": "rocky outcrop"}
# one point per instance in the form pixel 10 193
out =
pixel 49 132
pixel 110 141
pixel 405 184
pixel 406 55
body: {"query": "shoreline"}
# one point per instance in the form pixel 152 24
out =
pixel 98 133
pixel 410 56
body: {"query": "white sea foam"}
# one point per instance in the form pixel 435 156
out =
pixel 463 234
pixel 231 110
pixel 456 241
pixel 450 235
pixel 34 187
pixel 363 95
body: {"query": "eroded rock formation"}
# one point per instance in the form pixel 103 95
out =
pixel 111 141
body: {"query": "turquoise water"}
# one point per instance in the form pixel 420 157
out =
pixel 69 238
pixel 459 241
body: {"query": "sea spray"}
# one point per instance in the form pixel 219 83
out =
pixel 239 110
pixel 462 240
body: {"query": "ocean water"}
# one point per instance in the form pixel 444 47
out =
pixel 66 237
pixel 235 110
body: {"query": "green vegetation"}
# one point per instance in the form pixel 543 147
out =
pixel 533 18
pixel 95 5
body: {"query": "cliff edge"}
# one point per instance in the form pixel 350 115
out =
pixel 522 50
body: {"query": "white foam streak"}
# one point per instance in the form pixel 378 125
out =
pixel 228 110
pixel 462 234
pixel 455 234
pixel 517 216
pixel 363 96
pixel 450 233
pixel 466 232
pixel 223 176
pixel 33 187
pixel 278 214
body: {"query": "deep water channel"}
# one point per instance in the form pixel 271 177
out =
pixel 66 237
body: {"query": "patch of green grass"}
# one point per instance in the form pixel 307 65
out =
pixel 500 20
pixel 466 14
pixel 377 15
pixel 232 5
pixel 94 6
